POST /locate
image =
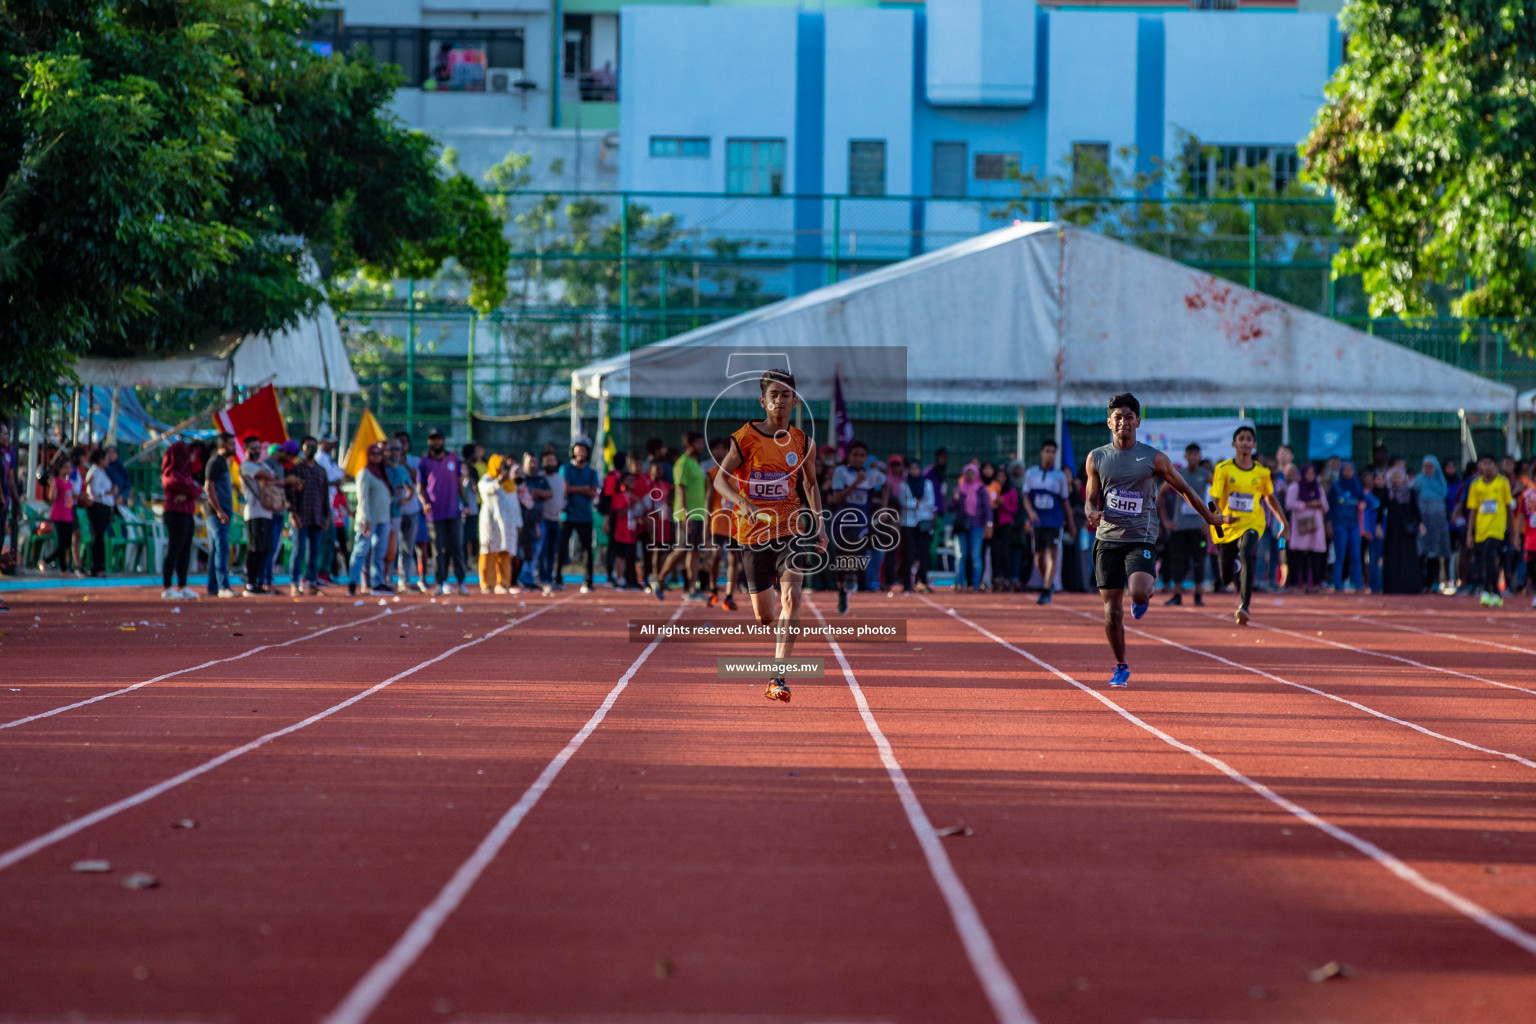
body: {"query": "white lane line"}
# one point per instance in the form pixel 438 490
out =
pixel 1377 654
pixel 1321 693
pixel 183 671
pixel 20 853
pixel 1445 636
pixel 371 989
pixel 1499 926
pixel 1002 992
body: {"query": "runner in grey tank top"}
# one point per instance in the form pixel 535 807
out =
pixel 1122 510
pixel 1130 485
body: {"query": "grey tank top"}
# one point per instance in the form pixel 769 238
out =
pixel 1130 494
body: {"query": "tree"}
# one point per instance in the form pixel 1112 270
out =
pixel 176 170
pixel 1428 143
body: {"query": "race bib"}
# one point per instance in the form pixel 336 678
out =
pixel 766 486
pixel 1240 502
pixel 858 496
pixel 1044 502
pixel 1489 507
pixel 1126 503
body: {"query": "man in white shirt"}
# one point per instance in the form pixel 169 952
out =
pixel 258 519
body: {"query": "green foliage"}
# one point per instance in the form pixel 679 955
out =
pixel 170 167
pixel 1428 142
pixel 1210 230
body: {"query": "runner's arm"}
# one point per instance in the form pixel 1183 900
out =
pixel 1162 466
pixel 1273 504
pixel 725 481
pixel 1093 498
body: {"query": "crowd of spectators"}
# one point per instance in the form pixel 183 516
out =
pixel 420 522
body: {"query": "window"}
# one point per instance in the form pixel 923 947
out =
pixel 679 145
pixel 1090 169
pixel 996 166
pixel 398 46
pixel 866 167
pixel 949 168
pixel 1214 168
pixel 504 49
pixel 754 167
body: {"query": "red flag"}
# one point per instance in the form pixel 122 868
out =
pixel 259 415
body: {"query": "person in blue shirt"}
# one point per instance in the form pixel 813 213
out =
pixel 1047 504
pixel 581 485
pixel 1345 496
pixel 1372 530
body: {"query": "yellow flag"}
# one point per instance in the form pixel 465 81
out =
pixel 368 434
pixel 610 450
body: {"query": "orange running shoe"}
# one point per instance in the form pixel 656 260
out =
pixel 777 690
pixel 729 604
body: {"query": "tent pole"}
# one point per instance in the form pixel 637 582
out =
pixel 1018 436
pixel 111 438
pixel 1512 431
pixel 599 438
pixel 1285 426
pixel 314 412
pixel 35 419
pixel 335 401
pixel 575 407
pixel 1058 425
pixel 346 420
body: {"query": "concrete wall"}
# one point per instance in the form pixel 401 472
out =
pixel 719 73
pixel 864 104
pixel 1249 78
pixel 1093 96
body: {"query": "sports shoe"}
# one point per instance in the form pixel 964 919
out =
pixel 777 690
pixel 1199 600
pixel 1138 610
pixel 226 592
pixel 696 596
pixel 1176 599
pixel 657 589
pixel 1241 616
pixel 1485 599
pixel 1044 598
pixel 463 590
pixel 1122 677
pixel 170 594
pixel 423 586
pixel 842 602
pixel 729 603
pixel 714 600
pixel 498 589
pixel 586 588
pixel 444 590
pixel 187 594
pixel 352 588
pixel 1497 602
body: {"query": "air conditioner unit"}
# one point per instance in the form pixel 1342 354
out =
pixel 502 79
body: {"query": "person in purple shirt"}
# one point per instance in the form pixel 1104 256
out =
pixel 938 473
pixel 440 496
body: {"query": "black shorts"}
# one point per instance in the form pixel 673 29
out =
pixel 1114 562
pixel 1046 537
pixel 695 535
pixel 763 565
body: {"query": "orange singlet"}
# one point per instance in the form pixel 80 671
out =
pixel 772 477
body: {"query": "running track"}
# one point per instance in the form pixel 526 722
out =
pixel 482 811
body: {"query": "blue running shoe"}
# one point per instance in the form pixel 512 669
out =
pixel 1138 610
pixel 1122 677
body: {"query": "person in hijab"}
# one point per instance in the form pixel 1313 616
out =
pixel 181 496
pixel 915 503
pixel 972 508
pixel 1400 570
pixel 1346 497
pixel 501 515
pixel 1308 545
pixel 1430 489
pixel 371 526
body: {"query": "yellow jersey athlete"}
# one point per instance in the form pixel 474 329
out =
pixel 1240 490
pixel 769 477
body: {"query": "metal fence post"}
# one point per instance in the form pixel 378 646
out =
pixel 1253 244
pixel 624 271
pixel 410 357
pixel 469 381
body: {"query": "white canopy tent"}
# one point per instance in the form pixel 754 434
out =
pixel 1050 314
pixel 308 355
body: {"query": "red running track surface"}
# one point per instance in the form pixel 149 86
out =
pixel 703 855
